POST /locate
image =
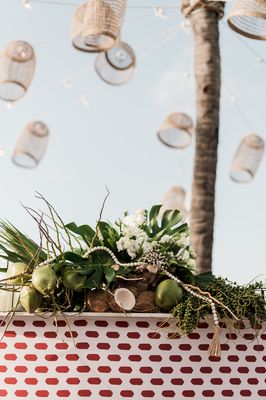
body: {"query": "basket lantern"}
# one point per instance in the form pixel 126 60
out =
pixel 31 145
pixel 17 66
pixel 96 24
pixel 116 65
pixel 247 159
pixel 248 17
pixel 174 199
pixel 176 130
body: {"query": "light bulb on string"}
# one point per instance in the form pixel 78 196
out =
pixel 85 101
pixel 185 26
pixel 2 151
pixel 66 83
pixel 26 4
pixel 260 60
pixel 159 12
pixel 9 105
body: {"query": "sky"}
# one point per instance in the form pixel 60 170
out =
pixel 112 140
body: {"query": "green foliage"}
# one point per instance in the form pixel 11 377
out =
pixel 18 247
pixel 85 232
pixel 165 225
pixel 146 239
pixel 243 301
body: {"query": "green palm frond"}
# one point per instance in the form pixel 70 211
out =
pixel 18 247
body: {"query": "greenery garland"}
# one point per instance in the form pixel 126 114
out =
pixel 246 302
pixel 73 266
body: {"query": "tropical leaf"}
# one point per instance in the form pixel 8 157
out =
pixel 206 277
pixel 153 219
pixel 95 279
pixel 18 246
pixel 85 231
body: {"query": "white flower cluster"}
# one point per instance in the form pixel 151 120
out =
pixel 134 240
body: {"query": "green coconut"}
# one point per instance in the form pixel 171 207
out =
pixel 168 294
pixel 30 298
pixel 15 269
pixel 71 279
pixel 44 279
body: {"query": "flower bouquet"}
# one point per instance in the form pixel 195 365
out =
pixel 141 263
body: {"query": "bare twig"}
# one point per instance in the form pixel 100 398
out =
pixel 97 231
pixel 54 213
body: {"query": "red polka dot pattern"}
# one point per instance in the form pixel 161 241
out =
pixel 121 358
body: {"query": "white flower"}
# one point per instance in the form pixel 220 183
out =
pixel 185 255
pixel 135 220
pixel 166 239
pixel 147 247
pixel 183 240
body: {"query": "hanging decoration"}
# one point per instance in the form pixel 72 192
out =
pixel 96 24
pixel 248 18
pixel 17 66
pixel 247 159
pixel 116 65
pixel 31 145
pixel 176 130
pixel 174 199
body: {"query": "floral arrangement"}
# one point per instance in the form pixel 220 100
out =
pixel 141 263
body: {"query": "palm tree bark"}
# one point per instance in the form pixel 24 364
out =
pixel 208 81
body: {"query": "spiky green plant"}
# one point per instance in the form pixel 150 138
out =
pixel 17 247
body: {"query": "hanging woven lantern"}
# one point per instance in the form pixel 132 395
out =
pixel 31 145
pixel 96 24
pixel 176 130
pixel 247 159
pixel 116 65
pixel 248 17
pixel 174 199
pixel 17 66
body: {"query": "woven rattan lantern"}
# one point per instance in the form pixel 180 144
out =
pixel 17 66
pixel 176 130
pixel 31 145
pixel 248 17
pixel 116 65
pixel 247 159
pixel 96 24
pixel 174 199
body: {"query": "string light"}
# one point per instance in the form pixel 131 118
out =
pixel 185 26
pixel 26 4
pixel 9 105
pixel 2 151
pixel 85 101
pixel 66 83
pixel 159 12
pixel 260 60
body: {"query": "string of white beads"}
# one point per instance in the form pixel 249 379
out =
pixel 189 290
pixel 103 248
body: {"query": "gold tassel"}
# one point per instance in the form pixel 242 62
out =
pixel 215 346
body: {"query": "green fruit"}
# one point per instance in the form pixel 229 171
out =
pixel 30 298
pixel 14 270
pixel 168 294
pixel 44 279
pixel 73 280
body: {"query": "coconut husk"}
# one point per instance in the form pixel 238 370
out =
pixel 146 302
pixel 114 306
pixel 134 289
pixel 97 301
pixel 133 280
pixel 151 278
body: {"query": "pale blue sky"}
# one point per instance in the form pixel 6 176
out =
pixel 112 142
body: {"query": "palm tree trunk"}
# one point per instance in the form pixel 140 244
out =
pixel 208 81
